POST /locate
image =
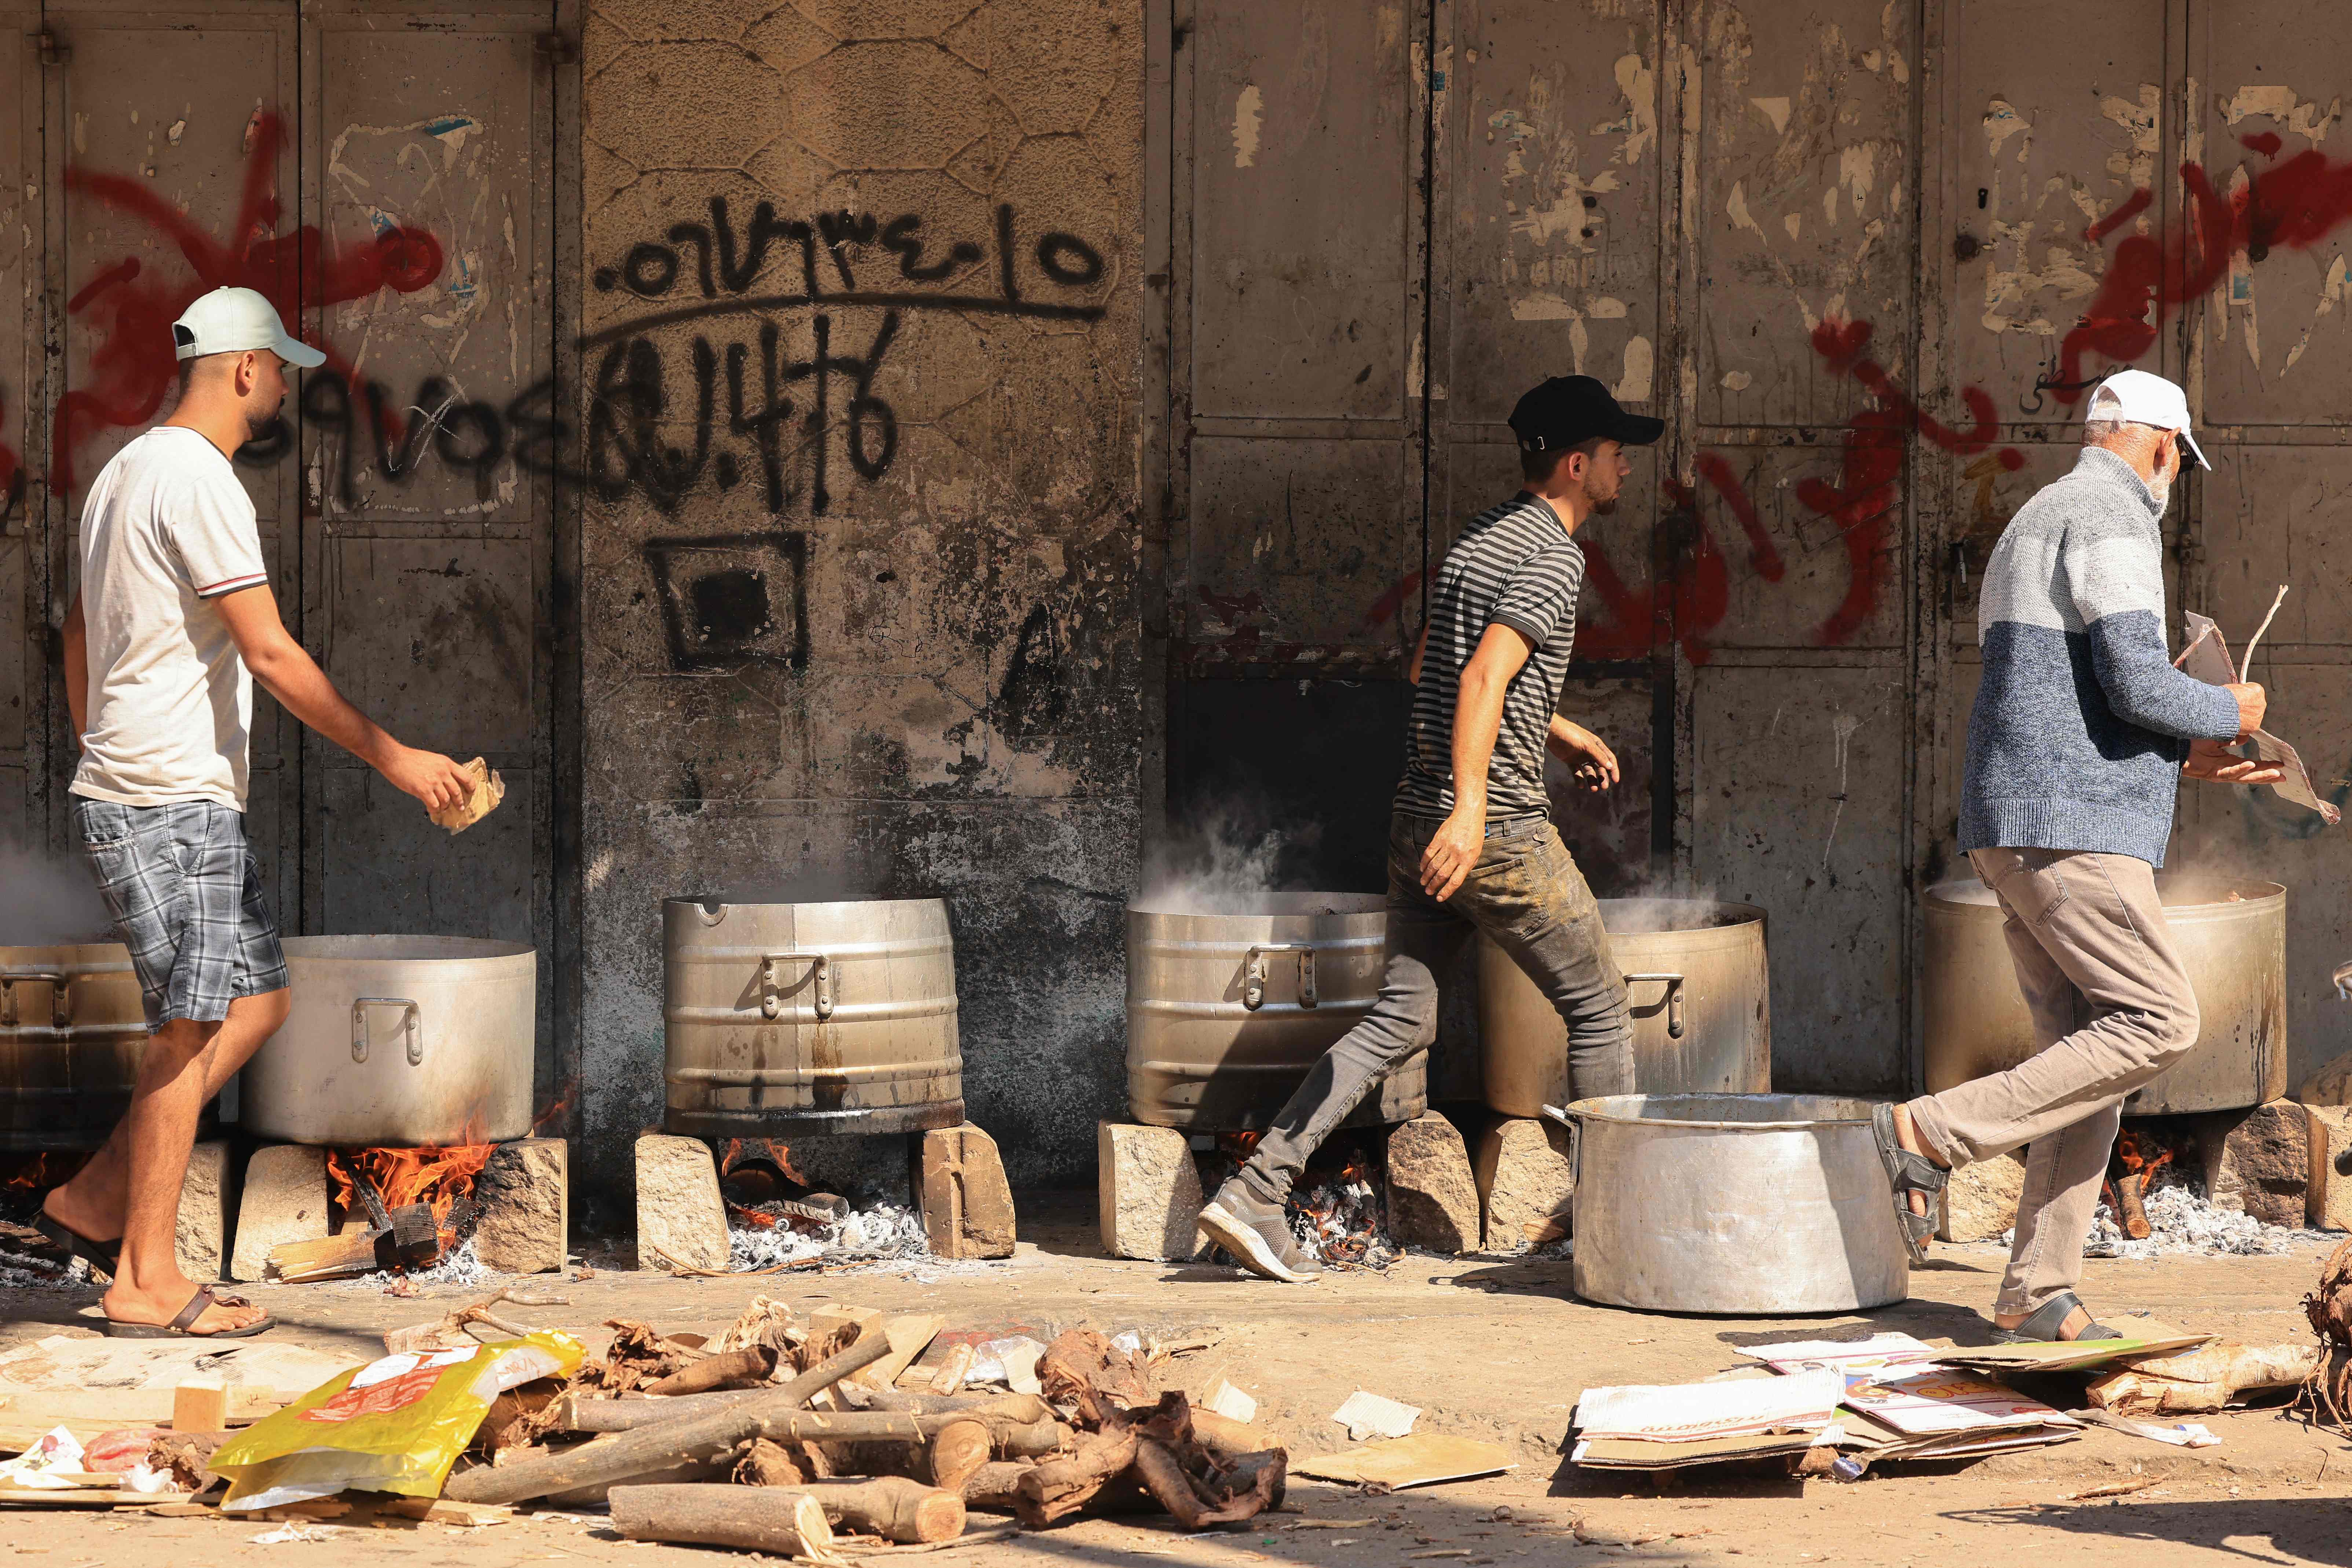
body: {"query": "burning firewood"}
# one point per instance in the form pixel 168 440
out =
pixel 2135 1168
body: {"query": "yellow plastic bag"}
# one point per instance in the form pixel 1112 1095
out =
pixel 393 1425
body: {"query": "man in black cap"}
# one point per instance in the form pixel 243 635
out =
pixel 1471 845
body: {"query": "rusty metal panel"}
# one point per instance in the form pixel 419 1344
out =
pixel 1609 832
pixel 1300 549
pixel 177 149
pixel 1806 196
pixel 21 230
pixel 2276 349
pixel 176 157
pixel 2055 156
pixel 1547 227
pixel 426 453
pixel 1793 547
pixel 1791 788
pixel 2273 515
pixel 1986 490
pixel 476 883
pixel 1304 137
pixel 431 638
pixel 429 141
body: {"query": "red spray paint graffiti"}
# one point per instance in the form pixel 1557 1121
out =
pixel 133 366
pixel 2291 205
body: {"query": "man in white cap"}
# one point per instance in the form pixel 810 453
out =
pixel 2081 734
pixel 173 617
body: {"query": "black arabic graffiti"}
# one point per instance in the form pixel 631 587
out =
pixel 789 389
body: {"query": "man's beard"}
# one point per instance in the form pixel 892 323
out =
pixel 2162 491
pixel 1598 506
pixel 257 423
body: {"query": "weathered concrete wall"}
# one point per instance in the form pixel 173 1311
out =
pixel 860 550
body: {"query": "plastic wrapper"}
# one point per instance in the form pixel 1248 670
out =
pixel 396 1425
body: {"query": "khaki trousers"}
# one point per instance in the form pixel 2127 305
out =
pixel 2112 1009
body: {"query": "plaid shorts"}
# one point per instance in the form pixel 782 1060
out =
pixel 186 898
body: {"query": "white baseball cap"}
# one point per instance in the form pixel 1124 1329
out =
pixel 2146 399
pixel 230 321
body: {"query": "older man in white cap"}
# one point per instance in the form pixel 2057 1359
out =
pixel 174 614
pixel 2081 734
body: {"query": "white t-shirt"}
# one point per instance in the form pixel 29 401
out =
pixel 166 531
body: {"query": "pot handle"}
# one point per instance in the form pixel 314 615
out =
pixel 771 1001
pixel 60 994
pixel 414 1021
pixel 1254 973
pixel 1673 984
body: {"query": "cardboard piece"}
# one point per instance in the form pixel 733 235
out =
pixel 1416 1461
pixel 1803 1402
pixel 490 789
pixel 2207 658
pixel 1626 1454
pixel 2071 1355
pixel 1367 1416
pixel 1895 1383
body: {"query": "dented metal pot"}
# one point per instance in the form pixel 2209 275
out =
pixel 72 1032
pixel 2232 940
pixel 1750 1204
pixel 785 1018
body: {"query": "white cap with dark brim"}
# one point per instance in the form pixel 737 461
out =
pixel 2146 399
pixel 231 321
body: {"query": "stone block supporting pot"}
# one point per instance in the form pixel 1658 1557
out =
pixel 2259 1162
pixel 526 1208
pixel 1433 1196
pixel 200 1237
pixel 1980 1200
pixel 1147 1192
pixel 966 1203
pixel 680 1218
pixel 285 1200
pixel 1526 1179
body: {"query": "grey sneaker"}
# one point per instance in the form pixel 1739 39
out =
pixel 1255 1232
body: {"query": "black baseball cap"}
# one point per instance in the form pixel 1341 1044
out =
pixel 1569 409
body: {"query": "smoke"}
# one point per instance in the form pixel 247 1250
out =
pixel 1651 911
pixel 49 903
pixel 1224 861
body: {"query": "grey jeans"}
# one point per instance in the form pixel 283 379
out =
pixel 1527 895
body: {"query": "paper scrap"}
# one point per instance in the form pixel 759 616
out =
pixel 490 789
pixel 1367 1416
pixel 2207 658
pixel 1229 1402
pixel 1676 1412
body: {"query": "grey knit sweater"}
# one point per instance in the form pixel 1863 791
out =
pixel 2081 724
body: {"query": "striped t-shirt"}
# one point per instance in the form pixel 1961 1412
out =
pixel 1515 565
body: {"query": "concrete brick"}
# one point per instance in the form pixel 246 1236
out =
pixel 207 1204
pixel 1980 1200
pixel 526 1208
pixel 966 1203
pixel 1525 1178
pixel 1147 1192
pixel 2334 1204
pixel 679 1215
pixel 2259 1161
pixel 285 1200
pixel 1433 1196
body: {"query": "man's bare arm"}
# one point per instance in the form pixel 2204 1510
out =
pixel 77 641
pixel 291 675
pixel 1586 753
pixel 1502 653
pixel 1413 670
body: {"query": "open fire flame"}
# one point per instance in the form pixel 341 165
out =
pixel 401 1176
pixel 39 1172
pixel 754 1150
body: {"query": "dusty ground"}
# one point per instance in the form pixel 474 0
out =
pixel 1488 1349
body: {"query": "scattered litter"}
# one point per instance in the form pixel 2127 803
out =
pixel 1226 1400
pixel 1011 1361
pixel 286 1534
pixel 59 1452
pixel 2071 1355
pixel 1930 1411
pixel 2179 1434
pixel 1369 1415
pixel 2120 1488
pixel 1416 1461
pixel 1802 1403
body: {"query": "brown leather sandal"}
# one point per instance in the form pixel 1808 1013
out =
pixel 182 1327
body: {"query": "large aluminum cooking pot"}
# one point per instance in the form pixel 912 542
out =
pixel 399 1042
pixel 1754 1204
pixel 1227 1011
pixel 2232 940
pixel 816 1018
pixel 71 1035
pixel 1700 992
